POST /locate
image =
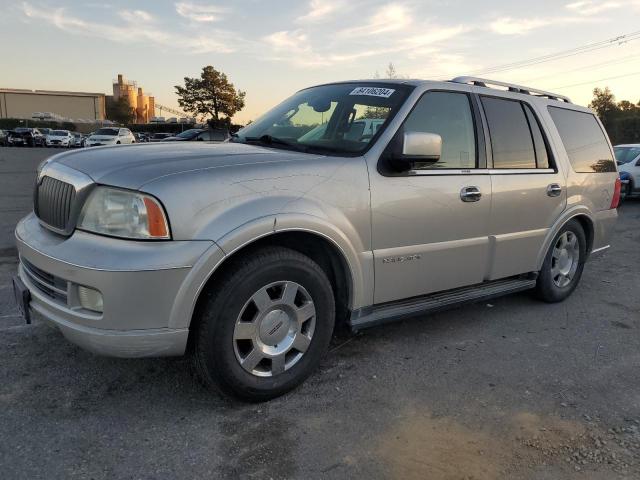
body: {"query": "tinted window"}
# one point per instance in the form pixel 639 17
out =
pixel 542 153
pixel 204 136
pixel 449 115
pixel 511 141
pixel 584 141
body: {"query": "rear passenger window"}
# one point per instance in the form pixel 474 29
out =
pixel 447 114
pixel 584 141
pixel 511 140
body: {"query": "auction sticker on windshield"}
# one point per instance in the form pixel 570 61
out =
pixel 373 91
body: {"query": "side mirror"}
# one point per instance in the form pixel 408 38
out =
pixel 418 147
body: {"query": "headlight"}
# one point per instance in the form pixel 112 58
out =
pixel 123 213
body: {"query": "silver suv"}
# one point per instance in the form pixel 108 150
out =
pixel 410 196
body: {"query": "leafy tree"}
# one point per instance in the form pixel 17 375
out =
pixel 120 111
pixel 211 95
pixel 604 104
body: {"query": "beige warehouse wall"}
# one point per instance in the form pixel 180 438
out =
pixel 23 105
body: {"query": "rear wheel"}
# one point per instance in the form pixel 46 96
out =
pixel 263 328
pixel 563 265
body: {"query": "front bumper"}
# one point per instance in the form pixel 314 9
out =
pixel 141 284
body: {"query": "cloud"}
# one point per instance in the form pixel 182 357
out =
pixel 197 12
pixel 320 10
pixel 390 18
pixel 589 7
pixel 137 27
pixel 522 26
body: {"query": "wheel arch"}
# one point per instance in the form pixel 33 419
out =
pixel 582 216
pixel 322 249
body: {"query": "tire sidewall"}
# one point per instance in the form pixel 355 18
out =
pixel 217 348
pixel 547 289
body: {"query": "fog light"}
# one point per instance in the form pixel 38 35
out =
pixel 90 299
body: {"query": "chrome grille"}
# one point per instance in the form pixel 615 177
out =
pixel 52 286
pixel 54 200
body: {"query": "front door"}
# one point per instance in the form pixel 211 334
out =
pixel 430 226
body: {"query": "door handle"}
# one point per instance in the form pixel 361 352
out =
pixel 554 190
pixel 470 194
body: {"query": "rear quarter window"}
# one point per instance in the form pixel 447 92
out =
pixel 584 141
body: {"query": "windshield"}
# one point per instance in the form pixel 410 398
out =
pixel 189 133
pixel 107 131
pixel 59 133
pixel 339 118
pixel 626 154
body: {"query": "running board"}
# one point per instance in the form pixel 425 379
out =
pixel 389 312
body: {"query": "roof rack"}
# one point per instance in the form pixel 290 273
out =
pixel 483 82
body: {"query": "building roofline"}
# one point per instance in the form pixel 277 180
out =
pixel 50 92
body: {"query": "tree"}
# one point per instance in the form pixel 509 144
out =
pixel 211 95
pixel 604 104
pixel 120 111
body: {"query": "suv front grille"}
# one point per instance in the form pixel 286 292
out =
pixel 54 200
pixel 52 286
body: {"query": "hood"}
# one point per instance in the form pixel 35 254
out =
pixel 132 166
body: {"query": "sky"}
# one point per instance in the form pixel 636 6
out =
pixel 270 49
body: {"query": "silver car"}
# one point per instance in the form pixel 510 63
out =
pixel 246 254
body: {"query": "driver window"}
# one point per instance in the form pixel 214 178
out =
pixel 447 114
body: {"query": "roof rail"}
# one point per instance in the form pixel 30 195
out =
pixel 483 82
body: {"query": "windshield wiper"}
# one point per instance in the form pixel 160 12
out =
pixel 271 140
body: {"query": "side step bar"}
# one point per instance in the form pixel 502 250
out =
pixel 389 312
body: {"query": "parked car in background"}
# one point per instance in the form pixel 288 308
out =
pixel 110 136
pixel 59 138
pixel 23 136
pixel 628 159
pixel 45 131
pixel 3 137
pixel 247 253
pixel 141 137
pixel 77 140
pixel 158 137
pixel 199 134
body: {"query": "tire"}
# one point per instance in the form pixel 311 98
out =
pixel 563 264
pixel 117 143
pixel 220 345
pixel 625 191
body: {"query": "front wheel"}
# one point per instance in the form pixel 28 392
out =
pixel 264 327
pixel 563 264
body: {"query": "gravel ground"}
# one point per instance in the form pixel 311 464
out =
pixel 515 389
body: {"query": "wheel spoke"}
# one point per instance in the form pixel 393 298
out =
pixel 253 359
pixel 573 242
pixel 289 293
pixel 305 312
pixel 277 364
pixel 555 271
pixel 301 343
pixel 244 331
pixel 261 299
pixel 556 253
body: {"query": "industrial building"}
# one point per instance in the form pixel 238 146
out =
pixel 75 106
pixel 144 105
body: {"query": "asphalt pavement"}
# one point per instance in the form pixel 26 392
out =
pixel 513 389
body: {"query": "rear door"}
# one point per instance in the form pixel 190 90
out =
pixel 529 191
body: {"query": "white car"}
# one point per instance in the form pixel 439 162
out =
pixel 110 136
pixel 59 138
pixel 628 159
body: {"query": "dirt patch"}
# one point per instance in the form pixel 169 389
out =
pixel 422 446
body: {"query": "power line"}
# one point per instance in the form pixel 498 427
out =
pixel 564 53
pixel 595 81
pixel 584 67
